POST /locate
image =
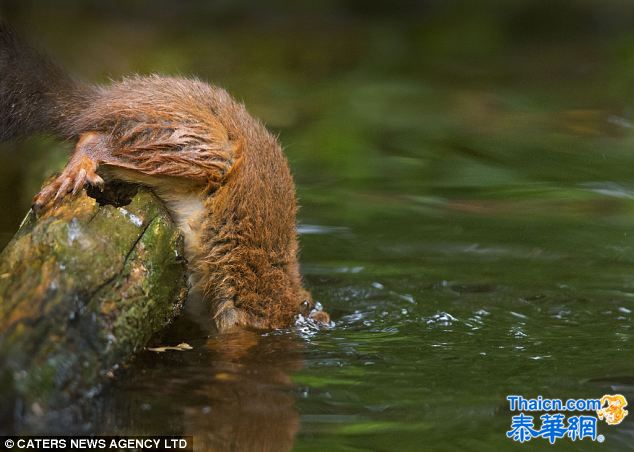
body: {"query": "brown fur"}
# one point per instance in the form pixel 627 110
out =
pixel 221 173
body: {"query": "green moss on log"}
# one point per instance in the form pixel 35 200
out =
pixel 81 290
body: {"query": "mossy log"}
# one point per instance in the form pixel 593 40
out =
pixel 82 288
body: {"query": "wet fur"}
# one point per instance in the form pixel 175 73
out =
pixel 223 176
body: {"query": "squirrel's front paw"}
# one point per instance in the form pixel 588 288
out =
pixel 315 312
pixel 79 172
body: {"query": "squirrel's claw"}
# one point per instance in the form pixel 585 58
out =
pixel 63 189
pixel 79 181
pixel 79 172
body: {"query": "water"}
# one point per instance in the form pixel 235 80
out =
pixel 467 219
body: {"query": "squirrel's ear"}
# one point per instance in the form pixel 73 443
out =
pixel 228 317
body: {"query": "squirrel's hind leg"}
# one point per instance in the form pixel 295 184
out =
pixel 81 170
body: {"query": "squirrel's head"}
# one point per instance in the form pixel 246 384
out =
pixel 258 294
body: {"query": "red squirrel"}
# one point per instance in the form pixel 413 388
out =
pixel 221 174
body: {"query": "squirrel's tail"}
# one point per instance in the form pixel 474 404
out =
pixel 36 95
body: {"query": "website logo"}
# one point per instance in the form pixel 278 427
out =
pixel 556 423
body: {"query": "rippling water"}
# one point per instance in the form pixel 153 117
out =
pixel 467 220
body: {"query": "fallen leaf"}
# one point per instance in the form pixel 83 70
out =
pixel 180 348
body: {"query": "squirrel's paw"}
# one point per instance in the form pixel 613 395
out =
pixel 315 313
pixel 79 172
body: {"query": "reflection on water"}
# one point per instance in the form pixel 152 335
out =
pixel 231 392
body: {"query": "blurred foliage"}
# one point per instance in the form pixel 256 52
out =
pixel 406 97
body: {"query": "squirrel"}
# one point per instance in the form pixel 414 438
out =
pixel 221 174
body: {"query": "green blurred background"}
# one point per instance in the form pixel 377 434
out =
pixel 466 171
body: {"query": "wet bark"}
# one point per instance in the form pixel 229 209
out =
pixel 82 288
